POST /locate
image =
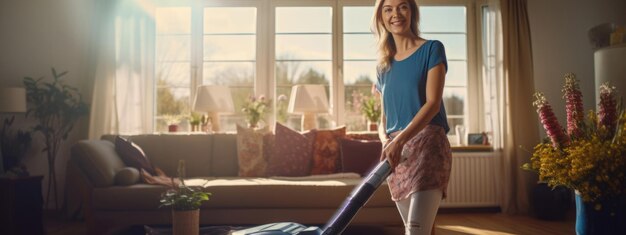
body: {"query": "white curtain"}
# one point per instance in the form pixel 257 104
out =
pixel 508 85
pixel 122 67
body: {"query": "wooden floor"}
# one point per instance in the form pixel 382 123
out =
pixel 446 224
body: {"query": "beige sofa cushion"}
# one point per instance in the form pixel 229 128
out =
pixel 248 193
pixel 98 160
pixel 224 160
pixel 164 152
pixel 205 155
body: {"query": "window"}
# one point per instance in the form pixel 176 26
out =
pixel 173 64
pixel 229 54
pixel 448 25
pixel 304 46
pixel 359 63
pixel 264 47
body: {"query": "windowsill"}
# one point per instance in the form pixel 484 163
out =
pixel 472 148
pixel 455 148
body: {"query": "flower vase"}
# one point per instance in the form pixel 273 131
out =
pixel 186 222
pixel 601 217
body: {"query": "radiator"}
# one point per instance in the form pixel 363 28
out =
pixel 472 181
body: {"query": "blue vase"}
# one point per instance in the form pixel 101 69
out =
pixel 610 219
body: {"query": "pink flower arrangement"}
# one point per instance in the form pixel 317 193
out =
pixel 607 110
pixel 549 121
pixel 590 157
pixel 573 105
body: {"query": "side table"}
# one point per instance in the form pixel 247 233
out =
pixel 22 205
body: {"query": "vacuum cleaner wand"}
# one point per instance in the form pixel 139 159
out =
pixel 340 220
pixel 357 199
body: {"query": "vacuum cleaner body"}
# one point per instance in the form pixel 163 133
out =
pixel 342 217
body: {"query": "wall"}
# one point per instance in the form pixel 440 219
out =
pixel 560 44
pixel 38 35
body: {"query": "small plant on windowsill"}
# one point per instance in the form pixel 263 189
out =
pixel 195 120
pixel 369 106
pixel 172 121
pixel 255 109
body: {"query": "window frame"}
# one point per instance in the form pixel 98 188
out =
pixel 264 81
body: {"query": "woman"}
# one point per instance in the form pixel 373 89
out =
pixel 411 76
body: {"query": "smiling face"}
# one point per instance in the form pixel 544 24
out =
pixel 397 16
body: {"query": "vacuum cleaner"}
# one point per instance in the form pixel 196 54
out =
pixel 342 217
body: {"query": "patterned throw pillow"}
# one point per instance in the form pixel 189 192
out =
pixel 132 155
pixel 251 151
pixel 359 156
pixel 292 152
pixel 326 152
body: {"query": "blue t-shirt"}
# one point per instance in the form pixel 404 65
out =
pixel 403 86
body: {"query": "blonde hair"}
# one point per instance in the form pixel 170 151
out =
pixel 386 44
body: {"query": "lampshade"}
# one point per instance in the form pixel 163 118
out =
pixel 213 99
pixel 12 100
pixel 308 99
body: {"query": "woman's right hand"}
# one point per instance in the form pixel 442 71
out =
pixel 393 152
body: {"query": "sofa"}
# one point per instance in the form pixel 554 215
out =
pixel 94 187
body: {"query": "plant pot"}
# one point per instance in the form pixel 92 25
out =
pixel 551 204
pixel 172 128
pixel 372 126
pixel 186 222
pixel 254 125
pixel 609 218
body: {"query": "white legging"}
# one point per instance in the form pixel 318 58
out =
pixel 418 211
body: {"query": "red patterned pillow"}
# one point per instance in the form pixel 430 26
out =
pixel 359 156
pixel 132 155
pixel 326 151
pixel 251 151
pixel 292 152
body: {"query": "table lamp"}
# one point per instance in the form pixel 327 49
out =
pixel 308 100
pixel 214 100
pixel 12 100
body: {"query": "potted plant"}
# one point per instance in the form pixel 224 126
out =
pixel 185 202
pixel 195 120
pixel 57 107
pixel 13 146
pixel 588 157
pixel 369 107
pixel 172 122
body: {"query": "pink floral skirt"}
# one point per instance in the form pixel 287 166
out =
pixel 427 166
